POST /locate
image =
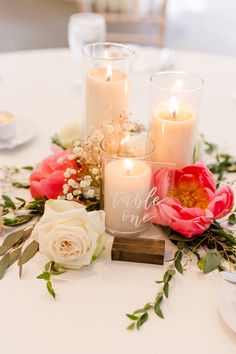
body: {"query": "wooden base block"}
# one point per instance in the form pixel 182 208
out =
pixel 138 249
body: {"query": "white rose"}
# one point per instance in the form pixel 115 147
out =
pixel 69 235
pixel 69 134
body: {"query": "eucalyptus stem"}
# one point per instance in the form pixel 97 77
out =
pixel 140 316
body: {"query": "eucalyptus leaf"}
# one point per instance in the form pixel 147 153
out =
pixel 4 263
pixel 13 238
pixel 3 250
pixel 14 256
pixel 212 261
pixel 29 252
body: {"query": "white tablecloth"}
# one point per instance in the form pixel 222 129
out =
pixel 88 316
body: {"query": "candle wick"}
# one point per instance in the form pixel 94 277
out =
pixel 174 114
pixel 109 78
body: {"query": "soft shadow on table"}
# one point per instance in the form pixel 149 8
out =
pixel 228 331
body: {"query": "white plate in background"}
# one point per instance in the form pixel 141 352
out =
pixel 227 304
pixel 25 131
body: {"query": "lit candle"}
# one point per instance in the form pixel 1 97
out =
pixel 127 185
pixel 173 131
pixel 107 93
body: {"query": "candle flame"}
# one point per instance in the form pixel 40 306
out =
pixel 174 106
pixel 109 72
pixel 128 165
pixel 178 85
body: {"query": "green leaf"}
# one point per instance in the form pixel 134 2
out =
pixel 45 276
pixel 142 319
pixel 21 185
pixel 212 261
pixel 56 269
pixel 14 256
pixel 29 168
pixel 48 266
pixel 178 266
pixel 22 203
pixel 158 311
pixel 8 202
pixel 210 148
pixel 50 289
pixel 167 277
pixel 232 219
pixel 180 245
pixel 29 252
pixel 132 317
pixel 4 263
pixel 166 289
pixel 159 298
pixel 172 272
pixel 18 220
pixel 131 326
pixel 139 311
pixel 201 263
pixel 221 268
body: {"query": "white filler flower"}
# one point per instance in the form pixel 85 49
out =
pixel 69 235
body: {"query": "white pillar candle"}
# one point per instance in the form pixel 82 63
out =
pixel 107 92
pixel 173 131
pixel 127 185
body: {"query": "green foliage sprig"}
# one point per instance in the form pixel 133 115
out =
pixel 223 163
pixel 51 269
pixel 216 243
pixel 13 250
pixel 140 316
pixel 21 211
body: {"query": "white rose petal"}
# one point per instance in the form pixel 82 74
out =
pixel 68 234
pixel 69 134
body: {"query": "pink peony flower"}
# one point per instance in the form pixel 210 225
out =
pixel 47 180
pixel 192 202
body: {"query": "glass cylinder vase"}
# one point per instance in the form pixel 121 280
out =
pixel 126 182
pixel 174 107
pixel 106 83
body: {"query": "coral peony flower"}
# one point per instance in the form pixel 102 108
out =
pixel 192 202
pixel 47 179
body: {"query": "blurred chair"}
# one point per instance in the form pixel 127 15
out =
pixel 146 18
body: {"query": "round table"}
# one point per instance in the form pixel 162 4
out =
pixel 88 316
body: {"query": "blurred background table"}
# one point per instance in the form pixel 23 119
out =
pixel 89 315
